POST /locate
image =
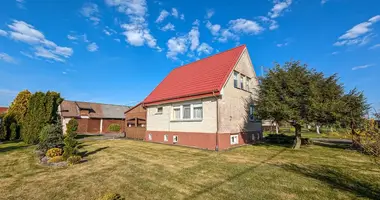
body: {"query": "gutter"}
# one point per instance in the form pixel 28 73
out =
pixel 217 123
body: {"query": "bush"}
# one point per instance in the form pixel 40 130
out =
pixel 56 159
pixel 72 160
pixel 53 152
pixel 111 196
pixel 14 129
pixel 114 127
pixel 50 137
pixel 71 143
pixel 71 127
pixel 285 139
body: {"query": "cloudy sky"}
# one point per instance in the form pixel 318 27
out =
pixel 117 51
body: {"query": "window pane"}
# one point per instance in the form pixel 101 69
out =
pixel 235 79
pixel 159 109
pixel 251 111
pixel 198 112
pixel 247 83
pixel 177 113
pixel 186 112
pixel 241 82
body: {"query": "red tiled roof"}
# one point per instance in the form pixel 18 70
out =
pixel 3 109
pixel 201 78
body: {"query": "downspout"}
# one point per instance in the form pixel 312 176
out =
pixel 217 123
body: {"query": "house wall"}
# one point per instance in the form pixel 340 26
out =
pixel 163 122
pixel 107 122
pixel 234 104
pixel 65 120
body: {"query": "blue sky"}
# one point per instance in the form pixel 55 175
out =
pixel 117 51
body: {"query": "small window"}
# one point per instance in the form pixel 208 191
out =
pixel 241 82
pixel 197 111
pixel 236 79
pixel 175 138
pixel 159 110
pixel 247 84
pixel 234 139
pixel 253 137
pixel 166 138
pixel 186 112
pixel 149 136
pixel 251 113
pixel 177 113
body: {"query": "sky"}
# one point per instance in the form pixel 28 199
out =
pixel 118 51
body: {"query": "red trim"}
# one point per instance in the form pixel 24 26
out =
pixel 232 68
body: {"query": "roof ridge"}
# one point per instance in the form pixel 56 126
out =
pixel 208 57
pixel 97 103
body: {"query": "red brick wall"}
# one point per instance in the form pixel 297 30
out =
pixel 107 122
pixel 201 140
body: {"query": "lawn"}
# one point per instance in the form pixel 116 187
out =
pixel 140 170
pixel 325 133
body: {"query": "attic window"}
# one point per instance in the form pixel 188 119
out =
pixel 159 110
pixel 236 79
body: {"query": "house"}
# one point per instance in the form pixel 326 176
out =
pixel 135 122
pixel 93 118
pixel 206 104
pixel 3 110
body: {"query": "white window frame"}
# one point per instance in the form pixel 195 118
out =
pixel 236 139
pixel 158 112
pixel 175 139
pixel 181 109
pixel 236 79
pixel 247 83
pixel 166 138
pixel 250 113
pixel 242 77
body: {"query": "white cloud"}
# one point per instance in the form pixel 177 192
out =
pixel 279 7
pixel 136 31
pixel 362 67
pixel 209 13
pixel 72 37
pixel 162 16
pixel 375 46
pixel 335 53
pixel 168 27
pixel 117 39
pixel 24 32
pixel 324 1
pixel 3 33
pixel 26 54
pixel 204 48
pixel 175 12
pixel 176 45
pixel 245 26
pixel 7 58
pixel 21 4
pixel 182 17
pixel 92 47
pixel 282 44
pixel 196 23
pixel 91 12
pixel 360 34
pixel 109 31
pixel 194 38
pixel 214 28
pixel 226 35
pixel 272 23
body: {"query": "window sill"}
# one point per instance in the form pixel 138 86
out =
pixel 243 90
pixel 186 120
pixel 158 113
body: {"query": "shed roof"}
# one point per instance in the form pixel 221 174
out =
pixel 97 110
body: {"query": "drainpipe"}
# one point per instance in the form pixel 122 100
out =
pixel 217 123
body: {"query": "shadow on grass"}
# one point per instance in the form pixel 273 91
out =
pixel 235 176
pixel 83 136
pixel 332 145
pixel 12 145
pixel 337 179
pixel 87 153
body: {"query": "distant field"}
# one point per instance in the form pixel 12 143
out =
pixel 141 170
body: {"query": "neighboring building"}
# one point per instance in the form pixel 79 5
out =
pixel 3 110
pixel 135 122
pixel 206 104
pixel 93 118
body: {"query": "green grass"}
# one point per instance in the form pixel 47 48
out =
pixel 140 170
pixel 325 133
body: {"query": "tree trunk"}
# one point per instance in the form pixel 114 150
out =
pixel 297 140
pixel 277 128
pixel 317 127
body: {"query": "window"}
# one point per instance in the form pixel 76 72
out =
pixel 177 113
pixel 253 137
pixel 236 79
pixel 241 81
pixel 234 139
pixel 251 111
pixel 186 112
pixel 159 110
pixel 175 138
pixel 247 84
pixel 197 111
pixel 149 136
pixel 166 138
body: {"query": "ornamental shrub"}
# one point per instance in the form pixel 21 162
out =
pixel 53 152
pixel 72 160
pixel 71 143
pixel 50 137
pixel 114 127
pixel 112 196
pixel 56 159
pixel 14 132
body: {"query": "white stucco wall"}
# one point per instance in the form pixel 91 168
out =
pixel 164 122
pixel 234 104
